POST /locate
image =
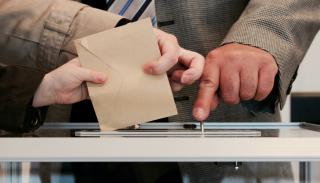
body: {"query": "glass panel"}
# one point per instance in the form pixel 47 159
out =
pixel 225 172
pixel 220 172
pixel 191 129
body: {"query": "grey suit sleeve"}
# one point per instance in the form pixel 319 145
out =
pixel 283 28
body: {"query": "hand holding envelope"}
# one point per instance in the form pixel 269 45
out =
pixel 130 96
pixel 183 66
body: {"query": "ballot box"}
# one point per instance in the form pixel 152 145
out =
pixel 222 144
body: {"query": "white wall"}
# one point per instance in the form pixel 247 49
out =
pixel 308 79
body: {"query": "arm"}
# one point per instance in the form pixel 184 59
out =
pixel 46 30
pixel 17 87
pixel 25 92
pixel 269 38
pixel 285 29
pixel 36 37
pixel 40 33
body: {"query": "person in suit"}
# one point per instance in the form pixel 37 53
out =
pixel 253 49
pixel 258 41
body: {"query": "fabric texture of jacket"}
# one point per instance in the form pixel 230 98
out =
pixel 36 37
pixel 285 29
pixel 40 33
pixel 17 86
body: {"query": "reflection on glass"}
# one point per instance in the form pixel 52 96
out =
pixel 220 172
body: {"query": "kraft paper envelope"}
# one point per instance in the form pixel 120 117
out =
pixel 129 96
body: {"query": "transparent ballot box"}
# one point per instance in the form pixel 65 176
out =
pixel 229 149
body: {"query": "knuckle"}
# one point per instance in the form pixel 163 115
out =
pixel 208 83
pixel 173 38
pixel 198 56
pixel 269 63
pixel 246 95
pixel 91 73
pixel 173 60
pixel 231 99
pixel 230 92
pixel 64 99
pixel 264 91
pixel 268 82
pixel 248 88
pixel 234 54
pixel 232 61
pixel 176 87
pixel 213 55
pixel 268 57
pixel 157 70
pixel 274 69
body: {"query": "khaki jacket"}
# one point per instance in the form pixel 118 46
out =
pixel 36 36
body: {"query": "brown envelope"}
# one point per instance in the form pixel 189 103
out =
pixel 129 96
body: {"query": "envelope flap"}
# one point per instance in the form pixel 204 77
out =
pixel 118 54
pixel 106 92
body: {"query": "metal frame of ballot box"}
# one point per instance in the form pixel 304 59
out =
pixel 168 142
pixel 177 142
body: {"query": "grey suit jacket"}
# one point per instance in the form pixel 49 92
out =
pixel 283 28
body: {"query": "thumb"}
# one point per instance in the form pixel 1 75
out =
pixel 91 76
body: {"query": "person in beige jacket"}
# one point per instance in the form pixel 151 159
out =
pixel 37 36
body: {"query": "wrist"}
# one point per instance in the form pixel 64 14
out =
pixel 44 95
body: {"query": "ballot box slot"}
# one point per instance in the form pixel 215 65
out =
pixel 170 133
pixel 178 125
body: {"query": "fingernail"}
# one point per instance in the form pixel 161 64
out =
pixel 199 114
pixel 185 79
pixel 148 69
pixel 102 78
pixel 212 107
pixel 176 88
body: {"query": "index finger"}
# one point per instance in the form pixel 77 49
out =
pixel 169 56
pixel 208 87
pixel 195 62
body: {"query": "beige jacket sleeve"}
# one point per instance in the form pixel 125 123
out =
pixel 40 33
pixel 284 28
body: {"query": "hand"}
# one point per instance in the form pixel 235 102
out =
pixel 66 85
pixel 240 72
pixel 183 67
